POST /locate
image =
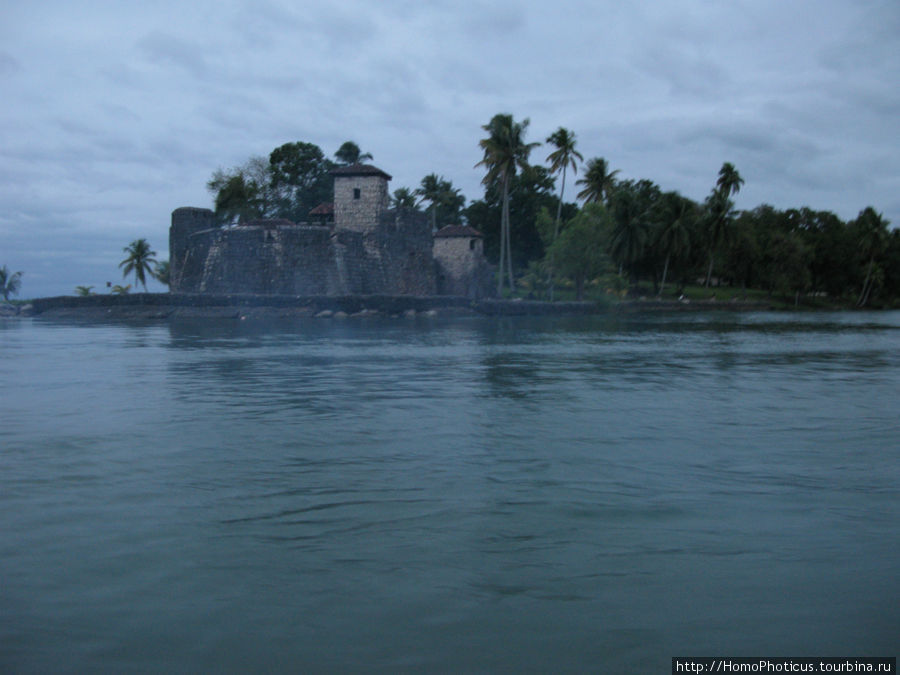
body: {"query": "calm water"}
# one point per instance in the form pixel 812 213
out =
pixel 465 495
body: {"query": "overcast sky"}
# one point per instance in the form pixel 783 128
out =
pixel 113 114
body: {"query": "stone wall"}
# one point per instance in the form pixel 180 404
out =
pixel 461 267
pixel 393 257
pixel 286 260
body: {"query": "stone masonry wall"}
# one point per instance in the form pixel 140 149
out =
pixel 462 269
pixel 288 260
pixel 360 214
pixel 190 236
pixel 393 257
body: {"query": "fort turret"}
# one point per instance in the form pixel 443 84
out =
pixel 360 197
pixel 462 268
pixel 187 252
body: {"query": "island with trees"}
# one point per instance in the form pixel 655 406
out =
pixel 278 227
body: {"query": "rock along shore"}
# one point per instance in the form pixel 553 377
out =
pixel 178 305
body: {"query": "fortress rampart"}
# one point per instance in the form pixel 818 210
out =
pixel 369 250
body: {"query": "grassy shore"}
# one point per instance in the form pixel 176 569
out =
pixel 608 293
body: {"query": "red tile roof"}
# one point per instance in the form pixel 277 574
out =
pixel 323 209
pixel 359 170
pixel 458 231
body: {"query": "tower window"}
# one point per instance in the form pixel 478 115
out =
pixel 471 244
pixel 356 193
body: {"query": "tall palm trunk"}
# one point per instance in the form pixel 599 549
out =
pixel 509 264
pixel 504 225
pixel 864 294
pixel 665 272
pixel 709 270
pixel 562 191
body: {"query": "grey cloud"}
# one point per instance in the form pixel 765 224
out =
pixel 260 22
pixel 494 20
pixel 685 72
pixel 9 65
pixel 165 49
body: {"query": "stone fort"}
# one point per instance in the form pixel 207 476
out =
pixel 357 246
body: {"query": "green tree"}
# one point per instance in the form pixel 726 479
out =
pixel 742 257
pixel 238 201
pixel 83 291
pixel 785 264
pixel 563 156
pixel 580 249
pixel 729 181
pixel 505 151
pixel 403 198
pixel 349 153
pixel 239 194
pixel 10 282
pixel 531 190
pixel 632 206
pixel 431 190
pixel 292 181
pixel 162 272
pixel 891 265
pixel 444 201
pixel 720 211
pixel 830 246
pixel 673 235
pixel 599 182
pixel 300 180
pixel 872 242
pixel 139 261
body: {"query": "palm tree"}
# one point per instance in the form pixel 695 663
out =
pixel 140 261
pixel 83 291
pixel 729 181
pixel 403 198
pixel 162 272
pixel 349 153
pixel 630 233
pixel 505 150
pixel 674 236
pixel 598 181
pixel 720 209
pixel 443 198
pixel 873 236
pixel 560 159
pixel 10 282
pixel 430 191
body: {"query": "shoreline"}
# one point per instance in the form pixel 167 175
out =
pixel 163 306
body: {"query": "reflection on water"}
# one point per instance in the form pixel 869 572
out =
pixel 590 493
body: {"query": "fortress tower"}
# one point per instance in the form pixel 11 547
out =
pixel 187 252
pixel 360 197
pixel 462 269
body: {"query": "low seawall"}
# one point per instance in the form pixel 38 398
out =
pixel 165 305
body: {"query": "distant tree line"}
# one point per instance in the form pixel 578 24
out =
pixel 627 234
